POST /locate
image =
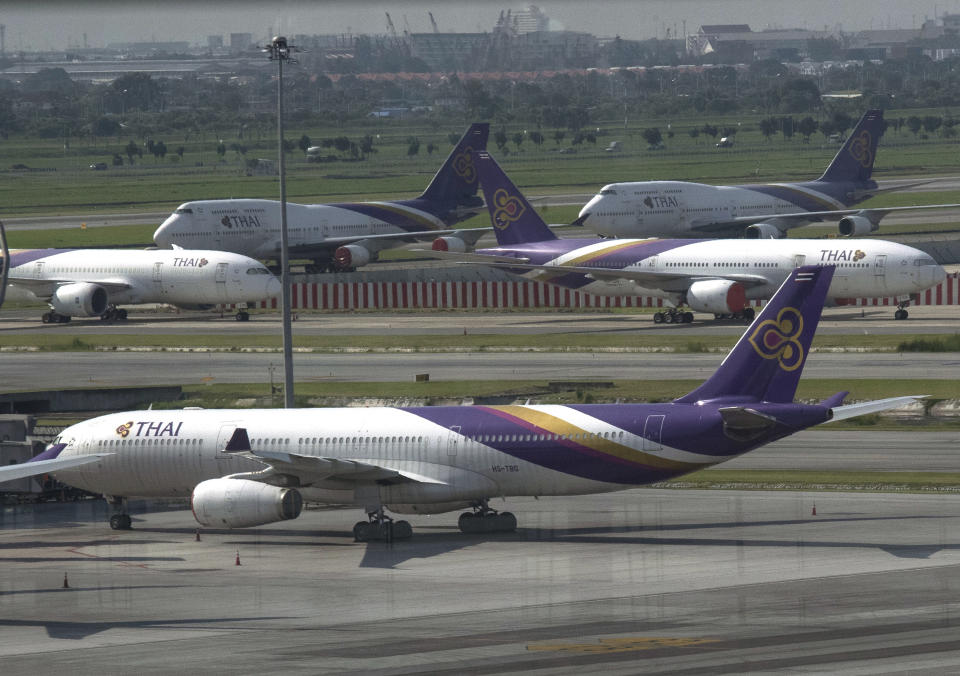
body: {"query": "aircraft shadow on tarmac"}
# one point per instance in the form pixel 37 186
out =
pixel 426 544
pixel 81 630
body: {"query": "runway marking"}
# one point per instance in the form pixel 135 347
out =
pixel 621 645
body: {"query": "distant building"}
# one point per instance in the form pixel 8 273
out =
pixel 241 42
pixel 214 42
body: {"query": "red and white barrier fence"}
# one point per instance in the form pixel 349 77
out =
pixel 442 295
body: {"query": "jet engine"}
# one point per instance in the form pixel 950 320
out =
pixel 763 231
pixel 80 299
pixel 238 503
pixel 452 244
pixel 351 256
pixel 856 226
pixel 719 296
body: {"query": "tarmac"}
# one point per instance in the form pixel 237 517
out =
pixel 643 581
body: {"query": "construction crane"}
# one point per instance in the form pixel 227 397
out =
pixel 390 27
pixel 433 22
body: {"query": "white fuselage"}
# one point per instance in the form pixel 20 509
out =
pixel 177 277
pixel 167 453
pixel 864 268
pixel 675 208
pixel 252 226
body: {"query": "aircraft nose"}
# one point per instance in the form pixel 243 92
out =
pixel 164 234
pixel 588 209
pixel 274 287
pixel 935 274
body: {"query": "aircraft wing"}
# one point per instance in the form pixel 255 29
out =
pixel 803 217
pixel 26 469
pixel 654 278
pixel 310 469
pixel 866 407
pixel 861 194
pixel 44 288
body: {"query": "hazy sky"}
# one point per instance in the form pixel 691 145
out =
pixel 56 24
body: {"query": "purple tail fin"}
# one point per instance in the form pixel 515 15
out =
pixel 514 220
pixel 854 162
pixel 457 181
pixel 766 363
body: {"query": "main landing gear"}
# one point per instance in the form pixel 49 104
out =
pixel 120 519
pixel 483 519
pixel 112 313
pixel 673 316
pixel 746 315
pixel 243 316
pixel 54 318
pixel 381 527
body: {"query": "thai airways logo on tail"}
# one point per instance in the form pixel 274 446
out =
pixel 861 148
pixel 506 209
pixel 464 167
pixel 778 339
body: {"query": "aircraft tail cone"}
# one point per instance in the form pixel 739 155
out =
pixel 66 585
pixel 238 558
pixel 814 512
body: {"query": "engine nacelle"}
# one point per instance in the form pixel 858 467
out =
pixel 452 244
pixel 238 503
pixel 351 256
pixel 719 296
pixel 855 226
pixel 763 231
pixel 80 299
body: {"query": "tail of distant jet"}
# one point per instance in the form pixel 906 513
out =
pixel 854 162
pixel 766 363
pixel 514 220
pixel 456 182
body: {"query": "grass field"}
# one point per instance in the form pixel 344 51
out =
pixel 62 183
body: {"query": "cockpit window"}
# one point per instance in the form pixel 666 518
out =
pixel 257 271
pixel 924 260
pixel 608 191
pixel 184 210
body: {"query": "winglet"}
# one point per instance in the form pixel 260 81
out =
pixel 239 441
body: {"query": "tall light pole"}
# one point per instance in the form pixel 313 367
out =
pixel 280 51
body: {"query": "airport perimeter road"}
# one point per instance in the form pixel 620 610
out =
pixel 55 370
pixel 868 320
pixel 646 581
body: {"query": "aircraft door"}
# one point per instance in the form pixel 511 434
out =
pixel 158 277
pixel 223 460
pixel 880 265
pixel 799 260
pixel 652 433
pixel 220 276
pixel 453 440
pixel 38 270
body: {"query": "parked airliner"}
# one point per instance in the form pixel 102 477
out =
pixel 251 467
pixel 338 236
pixel 759 211
pixel 714 276
pixel 93 282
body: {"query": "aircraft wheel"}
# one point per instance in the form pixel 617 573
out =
pixel 748 314
pixel 658 318
pixel 45 318
pixel 243 316
pixel 402 530
pixel 122 315
pixel 63 319
pixel 669 318
pixel 120 522
pixel 506 522
pixel 467 523
pixel 900 314
pixel 362 531
pixel 687 317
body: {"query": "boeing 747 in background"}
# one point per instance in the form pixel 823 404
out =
pixel 93 282
pixel 760 211
pixel 714 276
pixel 338 236
pixel 252 467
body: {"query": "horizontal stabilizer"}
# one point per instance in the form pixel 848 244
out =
pixel 866 407
pixel 26 469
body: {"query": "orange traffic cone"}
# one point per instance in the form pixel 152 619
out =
pixel 66 585
pixel 238 557
pixel 814 512
pixel 198 535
